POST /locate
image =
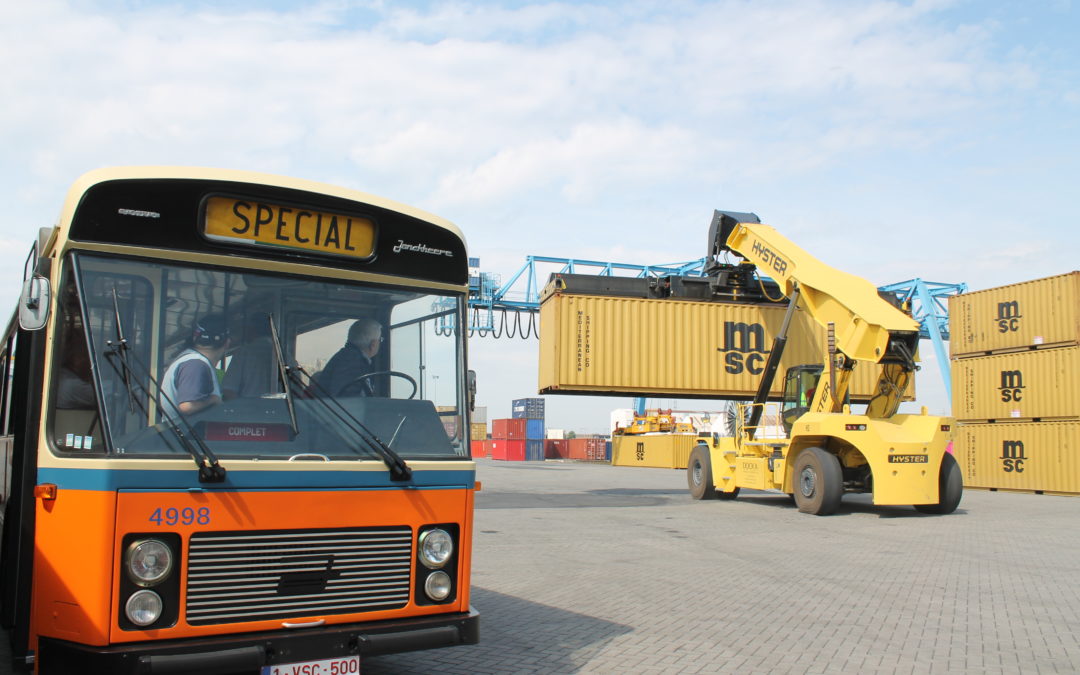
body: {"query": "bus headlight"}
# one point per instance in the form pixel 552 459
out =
pixel 143 608
pixel 438 586
pixel 436 547
pixel 149 561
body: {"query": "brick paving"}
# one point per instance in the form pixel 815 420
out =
pixel 589 568
pixel 586 568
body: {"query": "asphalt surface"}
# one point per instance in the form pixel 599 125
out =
pixel 589 568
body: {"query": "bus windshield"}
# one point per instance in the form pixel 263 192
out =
pixel 156 357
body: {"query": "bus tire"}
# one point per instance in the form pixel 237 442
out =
pixel 819 482
pixel 699 473
pixel 950 488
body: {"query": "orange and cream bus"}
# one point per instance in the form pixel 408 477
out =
pixel 187 485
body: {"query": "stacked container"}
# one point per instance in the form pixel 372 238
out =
pixel 518 439
pixel 478 431
pixel 507 450
pixel 1015 354
pixel 508 430
pixel 527 408
pixel 531 410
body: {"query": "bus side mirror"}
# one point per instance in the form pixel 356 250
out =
pixel 470 383
pixel 34 303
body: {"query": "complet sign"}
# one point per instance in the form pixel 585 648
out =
pixel 250 222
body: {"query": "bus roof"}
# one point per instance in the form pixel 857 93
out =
pixel 91 178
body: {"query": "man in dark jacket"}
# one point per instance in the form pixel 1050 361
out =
pixel 354 360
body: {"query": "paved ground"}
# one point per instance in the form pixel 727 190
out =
pixel 599 569
pixel 584 568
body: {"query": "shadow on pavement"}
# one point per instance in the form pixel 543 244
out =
pixel 516 636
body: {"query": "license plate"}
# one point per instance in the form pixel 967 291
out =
pixel 346 665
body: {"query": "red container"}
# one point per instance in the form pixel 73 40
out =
pixel 510 451
pixel 586 448
pixel 478 449
pixel 508 429
pixel 556 448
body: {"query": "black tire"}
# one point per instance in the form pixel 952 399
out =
pixel 818 482
pixel 950 488
pixel 699 473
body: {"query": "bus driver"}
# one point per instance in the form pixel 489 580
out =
pixel 354 360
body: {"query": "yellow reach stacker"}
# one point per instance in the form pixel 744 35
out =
pixel 821 449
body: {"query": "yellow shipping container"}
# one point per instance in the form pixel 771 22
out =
pixel 661 451
pixel 678 348
pixel 1027 456
pixel 1028 315
pixel 1022 385
pixel 478 432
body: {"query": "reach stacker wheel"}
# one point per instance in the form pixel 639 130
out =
pixel 699 473
pixel 699 476
pixel 950 488
pixel 819 482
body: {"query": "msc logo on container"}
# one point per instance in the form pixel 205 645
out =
pixel 1008 317
pixel 744 347
pixel 1012 456
pixel 1012 385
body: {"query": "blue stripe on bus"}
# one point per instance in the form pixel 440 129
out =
pixel 117 479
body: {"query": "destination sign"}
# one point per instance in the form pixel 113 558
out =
pixel 251 222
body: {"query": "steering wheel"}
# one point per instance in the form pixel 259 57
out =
pixel 392 373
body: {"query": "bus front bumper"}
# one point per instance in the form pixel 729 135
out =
pixel 249 652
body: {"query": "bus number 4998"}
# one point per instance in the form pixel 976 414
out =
pixel 184 516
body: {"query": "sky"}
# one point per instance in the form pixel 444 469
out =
pixel 892 139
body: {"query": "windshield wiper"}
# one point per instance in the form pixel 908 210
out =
pixel 210 470
pixel 283 373
pixel 399 470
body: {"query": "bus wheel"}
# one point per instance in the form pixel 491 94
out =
pixel 818 482
pixel 699 473
pixel 950 488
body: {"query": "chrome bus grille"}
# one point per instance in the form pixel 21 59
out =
pixel 253 576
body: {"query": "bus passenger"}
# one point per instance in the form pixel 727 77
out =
pixel 191 382
pixel 353 361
